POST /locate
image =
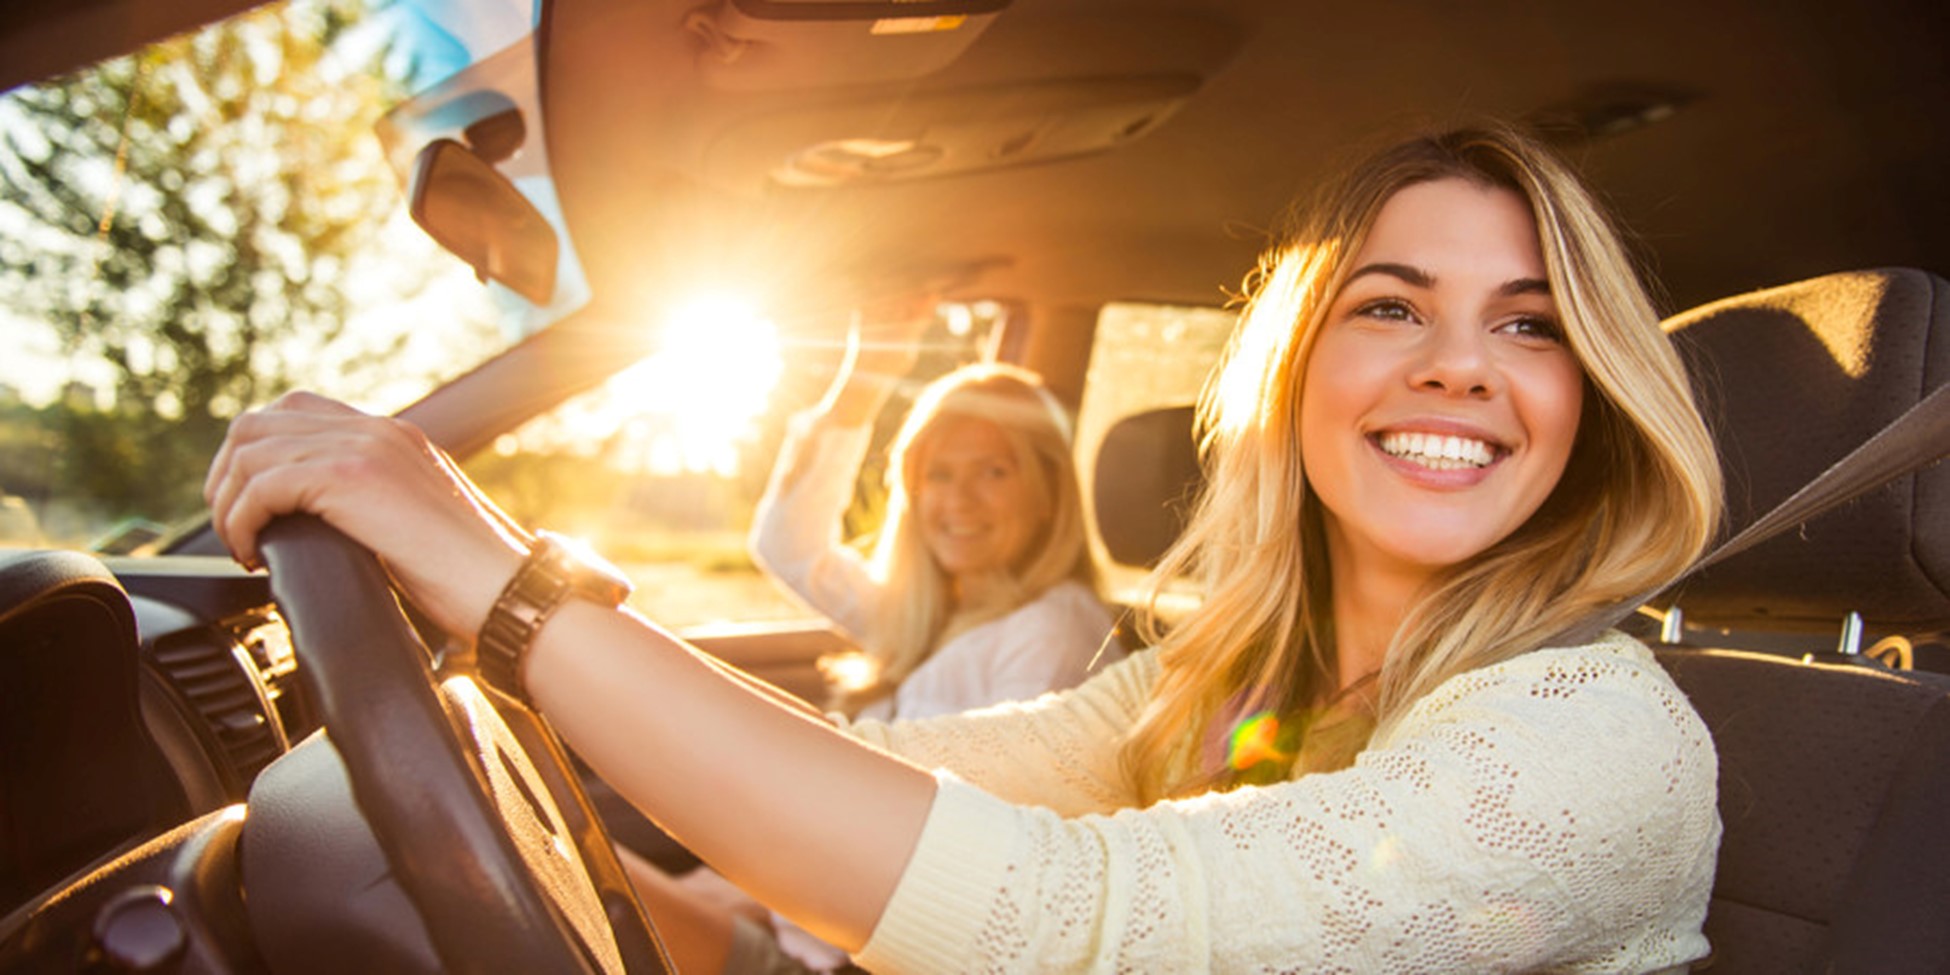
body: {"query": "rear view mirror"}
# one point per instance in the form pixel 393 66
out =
pixel 472 210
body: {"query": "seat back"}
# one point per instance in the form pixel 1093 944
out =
pixel 1834 772
pixel 1793 378
pixel 1146 476
pixel 1835 794
pixel 91 778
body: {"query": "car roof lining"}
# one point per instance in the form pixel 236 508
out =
pixel 1775 110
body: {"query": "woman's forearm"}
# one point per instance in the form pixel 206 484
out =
pixel 774 798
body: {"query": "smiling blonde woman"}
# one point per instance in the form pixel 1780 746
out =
pixel 1449 430
pixel 980 588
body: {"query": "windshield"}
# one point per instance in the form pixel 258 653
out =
pixel 195 228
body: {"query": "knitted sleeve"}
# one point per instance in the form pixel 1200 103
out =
pixel 1552 812
pixel 795 533
pixel 1059 751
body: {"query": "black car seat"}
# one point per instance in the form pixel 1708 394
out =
pixel 1834 768
pixel 92 777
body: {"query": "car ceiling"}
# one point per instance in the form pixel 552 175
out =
pixel 43 38
pixel 1807 137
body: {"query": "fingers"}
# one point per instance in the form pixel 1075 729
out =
pixel 260 471
pixel 259 423
pixel 885 340
pixel 382 484
pixel 896 320
pixel 248 504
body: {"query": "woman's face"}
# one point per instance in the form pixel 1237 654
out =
pixel 1440 401
pixel 976 511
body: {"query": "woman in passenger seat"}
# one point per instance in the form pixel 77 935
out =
pixel 1448 430
pixel 980 588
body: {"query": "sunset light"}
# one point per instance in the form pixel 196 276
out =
pixel 717 364
pixel 683 410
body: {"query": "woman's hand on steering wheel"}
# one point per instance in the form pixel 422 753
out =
pixel 378 480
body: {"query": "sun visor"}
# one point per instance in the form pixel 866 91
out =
pixel 773 45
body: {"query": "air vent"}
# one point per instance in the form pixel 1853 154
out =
pixel 218 679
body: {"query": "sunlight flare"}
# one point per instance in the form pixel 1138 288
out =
pixel 711 377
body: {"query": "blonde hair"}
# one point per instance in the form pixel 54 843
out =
pixel 1638 501
pixel 918 613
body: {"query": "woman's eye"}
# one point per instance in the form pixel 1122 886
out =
pixel 1387 309
pixel 1532 327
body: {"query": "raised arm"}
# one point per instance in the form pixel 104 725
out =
pixel 882 346
pixel 795 533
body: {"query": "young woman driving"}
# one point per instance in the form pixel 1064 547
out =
pixel 1448 429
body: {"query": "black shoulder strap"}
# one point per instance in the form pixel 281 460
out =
pixel 1915 440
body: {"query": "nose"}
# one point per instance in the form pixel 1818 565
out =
pixel 955 491
pixel 1454 360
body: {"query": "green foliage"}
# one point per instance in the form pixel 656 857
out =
pixel 195 216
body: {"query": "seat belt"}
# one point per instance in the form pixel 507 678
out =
pixel 1915 440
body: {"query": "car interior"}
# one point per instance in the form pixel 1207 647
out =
pixel 166 803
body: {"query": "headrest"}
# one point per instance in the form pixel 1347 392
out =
pixel 1791 379
pixel 1146 476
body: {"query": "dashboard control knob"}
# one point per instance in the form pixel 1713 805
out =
pixel 137 931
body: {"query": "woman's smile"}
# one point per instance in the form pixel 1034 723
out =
pixel 1440 403
pixel 977 515
pixel 1439 453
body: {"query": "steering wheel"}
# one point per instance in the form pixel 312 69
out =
pixel 473 802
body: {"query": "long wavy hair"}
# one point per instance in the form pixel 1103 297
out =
pixel 1639 499
pixel 920 613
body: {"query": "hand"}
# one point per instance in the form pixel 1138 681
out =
pixel 882 346
pixel 885 338
pixel 382 483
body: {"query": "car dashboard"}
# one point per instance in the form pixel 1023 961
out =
pixel 136 694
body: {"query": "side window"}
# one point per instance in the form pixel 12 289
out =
pixel 662 467
pixel 1144 357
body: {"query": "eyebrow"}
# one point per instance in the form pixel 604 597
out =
pixel 1422 279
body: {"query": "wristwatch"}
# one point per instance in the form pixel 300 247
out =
pixel 557 568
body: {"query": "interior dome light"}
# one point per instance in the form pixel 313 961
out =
pixel 842 161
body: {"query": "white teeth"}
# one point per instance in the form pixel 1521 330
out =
pixel 1438 452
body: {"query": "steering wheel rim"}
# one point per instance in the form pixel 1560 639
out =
pixel 469 800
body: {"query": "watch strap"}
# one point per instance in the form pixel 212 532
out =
pixel 555 569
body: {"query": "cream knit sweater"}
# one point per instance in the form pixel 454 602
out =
pixel 1554 812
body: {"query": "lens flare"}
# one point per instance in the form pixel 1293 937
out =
pixel 1255 739
pixel 850 671
pixel 687 407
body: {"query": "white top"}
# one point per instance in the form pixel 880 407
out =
pixel 1049 643
pixel 1555 812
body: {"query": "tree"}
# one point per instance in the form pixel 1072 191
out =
pixel 199 216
